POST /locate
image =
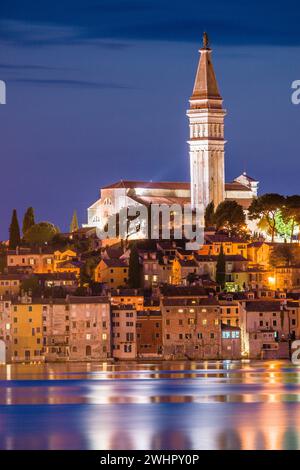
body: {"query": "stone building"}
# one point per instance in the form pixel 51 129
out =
pixel 90 328
pixel 77 329
pixel 231 342
pixel 265 324
pixel 149 333
pixel 191 328
pixel 124 331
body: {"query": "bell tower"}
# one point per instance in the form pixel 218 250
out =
pixel 206 145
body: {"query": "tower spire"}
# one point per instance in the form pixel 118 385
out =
pixel 205 41
pixel 206 118
pixel 206 85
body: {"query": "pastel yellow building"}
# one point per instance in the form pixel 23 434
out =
pixel 66 255
pixel 181 269
pixel 113 272
pixel 69 266
pixel 258 253
pixel 231 246
pixel 27 332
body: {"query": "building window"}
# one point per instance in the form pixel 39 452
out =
pixel 235 334
pixel 225 334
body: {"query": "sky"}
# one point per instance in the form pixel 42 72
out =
pixel 97 91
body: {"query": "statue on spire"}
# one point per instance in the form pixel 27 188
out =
pixel 205 41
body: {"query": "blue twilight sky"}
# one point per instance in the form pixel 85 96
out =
pixel 97 91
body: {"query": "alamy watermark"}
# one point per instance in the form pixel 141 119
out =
pixel 2 92
pixel 157 222
pixel 295 97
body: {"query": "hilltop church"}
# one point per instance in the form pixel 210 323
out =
pixel 206 151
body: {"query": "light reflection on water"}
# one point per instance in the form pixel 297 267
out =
pixel 177 405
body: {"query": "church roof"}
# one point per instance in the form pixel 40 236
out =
pixel 206 86
pixel 235 186
pixel 129 184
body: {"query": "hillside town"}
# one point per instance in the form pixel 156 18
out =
pixel 71 297
pixel 78 297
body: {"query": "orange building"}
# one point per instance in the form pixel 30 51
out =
pixel 113 272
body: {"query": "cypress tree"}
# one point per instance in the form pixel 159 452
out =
pixel 28 220
pixel 134 271
pixel 209 214
pixel 221 269
pixel 74 223
pixel 14 232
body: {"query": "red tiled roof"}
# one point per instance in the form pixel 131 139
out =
pixel 129 184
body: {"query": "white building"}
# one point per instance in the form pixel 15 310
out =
pixel 206 147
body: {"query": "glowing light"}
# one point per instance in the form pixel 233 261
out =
pixel 271 280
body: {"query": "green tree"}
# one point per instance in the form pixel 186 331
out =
pixel 40 233
pixel 31 285
pixel 2 257
pixel 291 213
pixel 265 208
pixel 284 254
pixel 134 271
pixel 209 216
pixel 221 269
pixel 230 216
pixel 284 226
pixel 28 220
pixel 74 223
pixel 14 231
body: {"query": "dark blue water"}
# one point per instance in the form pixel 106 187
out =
pixel 179 405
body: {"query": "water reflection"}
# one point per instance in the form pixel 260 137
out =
pixel 178 405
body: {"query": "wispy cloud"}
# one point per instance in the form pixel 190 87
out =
pixel 73 83
pixel 5 66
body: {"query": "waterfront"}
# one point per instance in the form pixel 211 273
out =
pixel 177 405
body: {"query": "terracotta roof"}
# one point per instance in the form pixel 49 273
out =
pixel 31 251
pixel 126 292
pixel 97 299
pixel 263 306
pixel 115 263
pixel 235 186
pixel 149 313
pixel 189 263
pixel 13 277
pixel 183 291
pixel 56 276
pixel 70 264
pixel 130 184
pixel 148 184
pixel 183 302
